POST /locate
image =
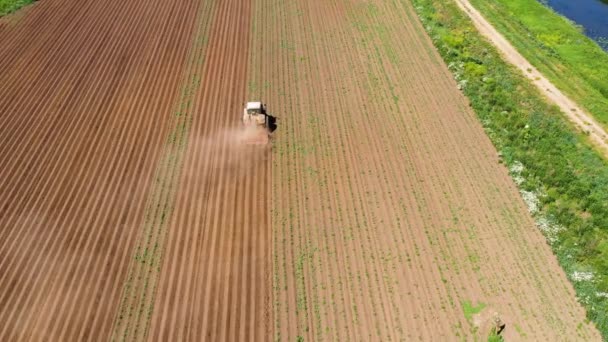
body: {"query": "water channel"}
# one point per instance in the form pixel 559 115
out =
pixel 590 14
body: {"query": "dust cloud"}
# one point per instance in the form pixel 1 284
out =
pixel 227 151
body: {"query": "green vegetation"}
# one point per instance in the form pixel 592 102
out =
pixel 555 46
pixel 494 337
pixel 10 6
pixel 562 179
pixel 469 309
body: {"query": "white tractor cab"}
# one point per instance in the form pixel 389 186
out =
pixel 256 124
pixel 255 114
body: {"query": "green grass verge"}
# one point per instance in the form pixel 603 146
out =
pixel 10 6
pixel 562 179
pixel 556 47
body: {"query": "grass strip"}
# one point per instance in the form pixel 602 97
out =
pixel 562 179
pixel 10 6
pixel 557 47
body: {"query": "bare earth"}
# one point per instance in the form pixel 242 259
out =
pixel 87 92
pixel 129 208
pixel 214 285
pixel 389 207
pixel 583 120
pixel 130 211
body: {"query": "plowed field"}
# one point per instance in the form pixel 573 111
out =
pixel 129 209
pixel 87 92
pixel 392 218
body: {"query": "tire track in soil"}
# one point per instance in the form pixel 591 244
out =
pixel 62 209
pixel 267 61
pixel 214 285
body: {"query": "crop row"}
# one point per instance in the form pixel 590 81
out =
pixel 137 303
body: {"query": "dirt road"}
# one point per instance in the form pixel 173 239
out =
pixel 581 119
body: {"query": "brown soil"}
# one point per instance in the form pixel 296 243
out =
pixel 99 185
pixel 213 285
pixel 87 90
pixel 389 208
pixel 14 18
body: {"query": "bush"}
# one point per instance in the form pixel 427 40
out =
pixel 10 6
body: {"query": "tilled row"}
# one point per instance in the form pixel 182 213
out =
pixel 390 211
pixel 137 302
pixel 88 93
pixel 213 283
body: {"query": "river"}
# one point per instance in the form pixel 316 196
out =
pixel 590 14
